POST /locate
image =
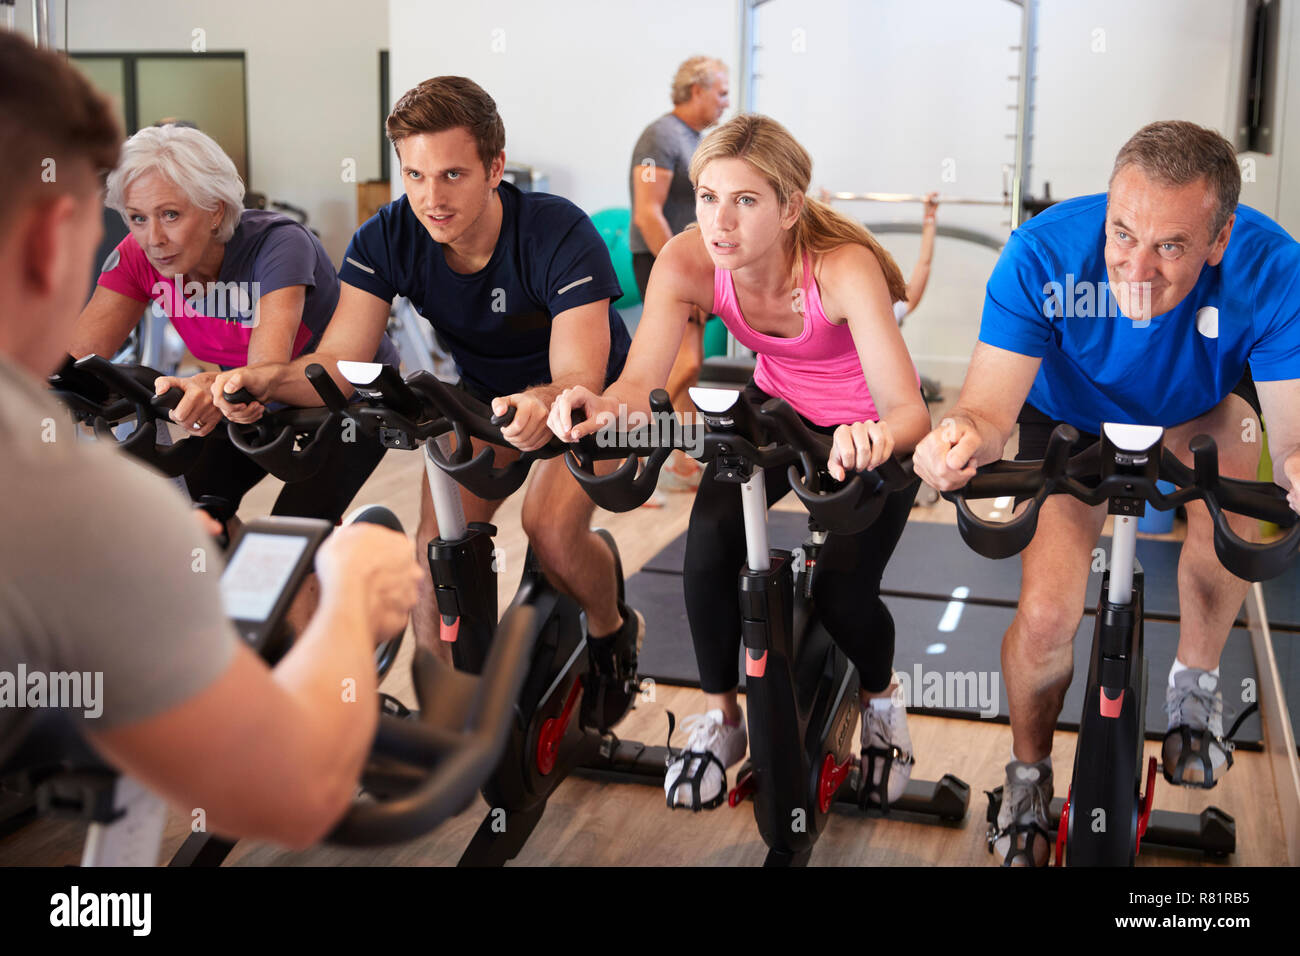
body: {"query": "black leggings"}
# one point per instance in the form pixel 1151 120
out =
pixel 846 584
pixel 226 472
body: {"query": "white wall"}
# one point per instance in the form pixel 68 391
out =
pixel 313 84
pixel 1287 145
pixel 897 96
pixel 575 82
pixel 887 95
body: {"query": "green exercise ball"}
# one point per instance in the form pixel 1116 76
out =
pixel 715 338
pixel 1265 473
pixel 613 225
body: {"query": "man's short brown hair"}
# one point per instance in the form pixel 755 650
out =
pixel 53 126
pixel 1175 153
pixel 447 102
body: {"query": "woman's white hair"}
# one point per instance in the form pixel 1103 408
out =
pixel 192 161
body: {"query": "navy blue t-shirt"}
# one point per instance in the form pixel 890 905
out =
pixel 1049 297
pixel 549 258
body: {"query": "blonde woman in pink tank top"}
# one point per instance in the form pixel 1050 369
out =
pixel 812 293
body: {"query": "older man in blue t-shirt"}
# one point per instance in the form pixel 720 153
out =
pixel 519 286
pixel 1132 307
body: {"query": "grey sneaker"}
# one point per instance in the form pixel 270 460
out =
pixel 886 752
pixel 1024 831
pixel 1194 751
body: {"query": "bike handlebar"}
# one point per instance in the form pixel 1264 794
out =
pixel 737 438
pixel 422 407
pixel 451 759
pixel 118 391
pixel 290 443
pixel 1129 478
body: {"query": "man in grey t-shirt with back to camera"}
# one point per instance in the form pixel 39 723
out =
pixel 98 574
pixel 663 204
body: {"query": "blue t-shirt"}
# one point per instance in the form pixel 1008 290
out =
pixel 1049 298
pixel 548 259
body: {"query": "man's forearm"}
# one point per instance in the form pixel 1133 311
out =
pixel 654 230
pixel 593 380
pixel 330 672
pixel 287 381
pixel 331 669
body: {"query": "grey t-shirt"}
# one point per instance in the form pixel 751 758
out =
pixel 103 570
pixel 669 143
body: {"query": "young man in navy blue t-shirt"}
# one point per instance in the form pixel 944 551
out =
pixel 519 286
pixel 1132 307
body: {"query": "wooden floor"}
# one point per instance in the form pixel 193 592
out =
pixel 611 824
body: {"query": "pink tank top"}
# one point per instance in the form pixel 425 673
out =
pixel 818 372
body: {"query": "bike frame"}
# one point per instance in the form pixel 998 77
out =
pixel 1104 819
pixel 801 744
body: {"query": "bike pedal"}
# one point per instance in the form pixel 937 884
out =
pixel 608 745
pixel 991 816
pixel 743 788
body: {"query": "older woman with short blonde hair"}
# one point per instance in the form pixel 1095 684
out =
pixel 240 286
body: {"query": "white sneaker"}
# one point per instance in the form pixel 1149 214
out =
pixel 657 499
pixel 884 734
pixel 680 472
pixel 697 776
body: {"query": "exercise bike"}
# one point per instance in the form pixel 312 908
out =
pixel 290 443
pixel 801 691
pixel 546 742
pixel 420 771
pixel 1106 816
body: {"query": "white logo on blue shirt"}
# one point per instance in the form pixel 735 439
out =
pixel 1207 322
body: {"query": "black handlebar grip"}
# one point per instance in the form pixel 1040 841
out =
pixel 221 511
pixel 329 392
pixel 894 473
pixel 1057 456
pixel 1205 461
pixel 169 399
pixel 503 421
pixel 660 401
pixel 240 397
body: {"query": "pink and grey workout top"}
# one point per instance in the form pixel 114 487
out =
pixel 818 372
pixel 267 252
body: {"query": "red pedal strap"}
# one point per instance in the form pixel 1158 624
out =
pixel 1063 828
pixel 1144 817
pixel 743 788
